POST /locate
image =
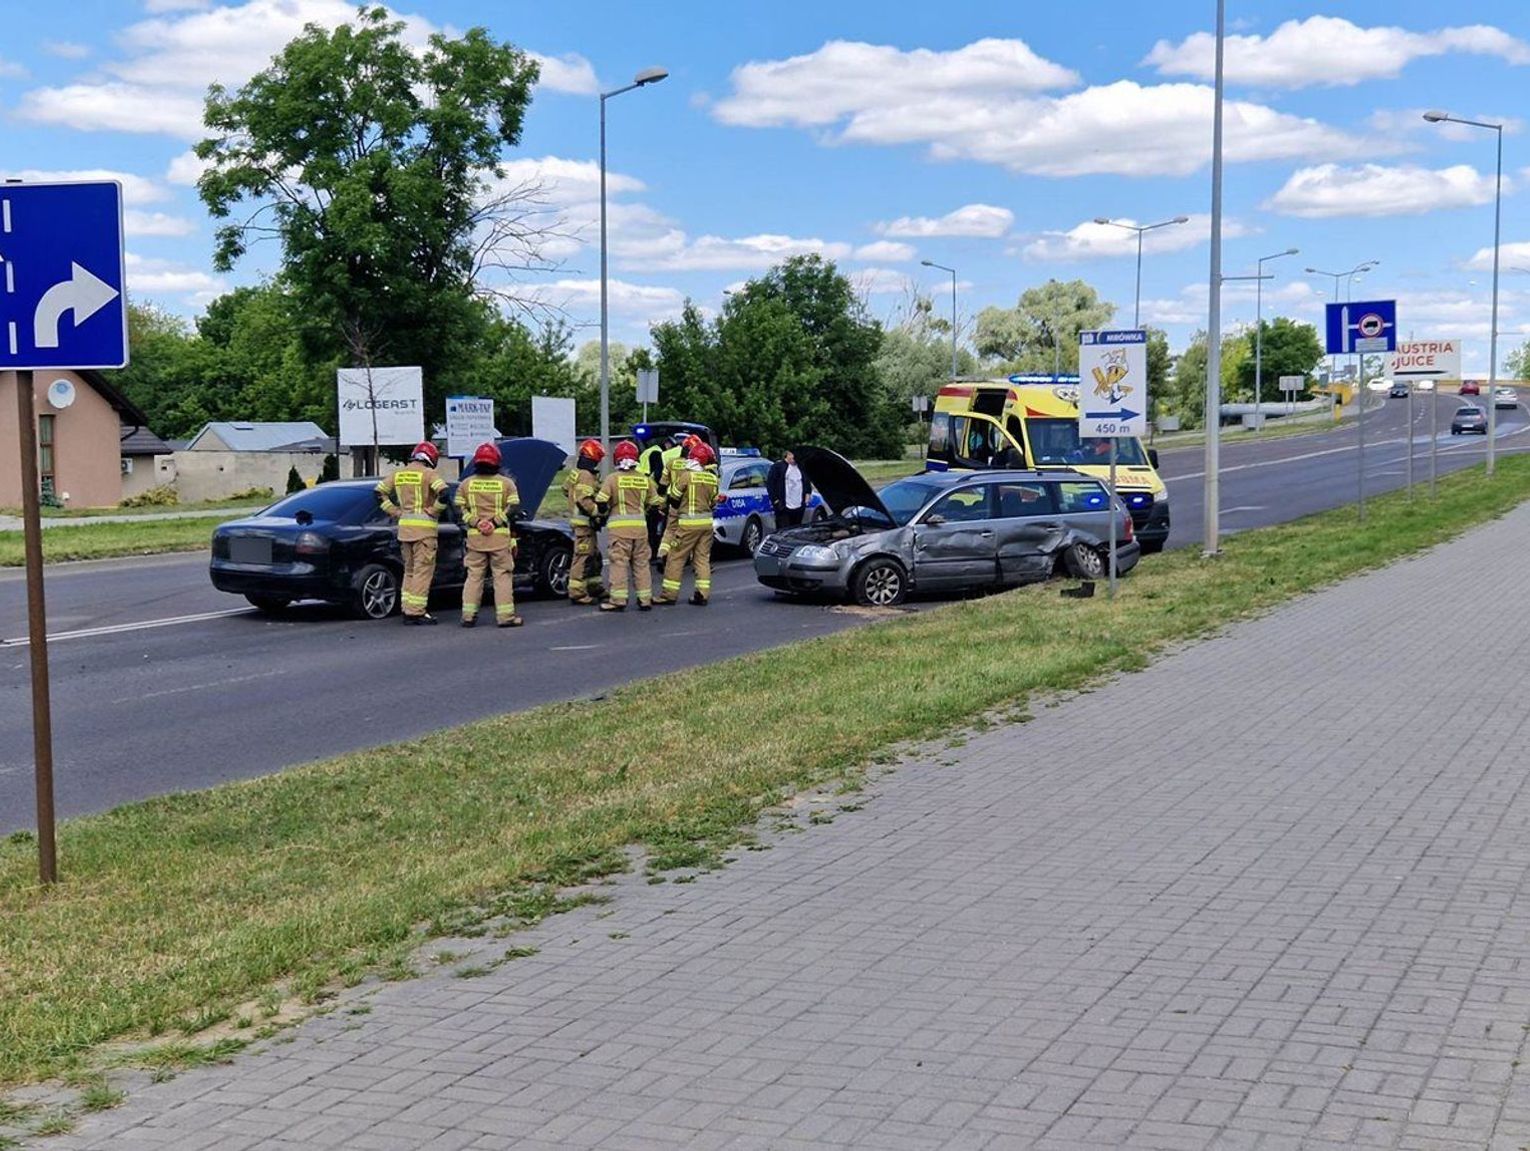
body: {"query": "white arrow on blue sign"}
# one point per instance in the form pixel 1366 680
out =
pixel 62 298
pixel 1362 326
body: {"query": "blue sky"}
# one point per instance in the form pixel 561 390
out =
pixel 983 136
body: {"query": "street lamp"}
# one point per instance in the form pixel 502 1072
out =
pixel 1139 229
pixel 943 268
pixel 1447 118
pixel 1259 335
pixel 1210 542
pixel 645 77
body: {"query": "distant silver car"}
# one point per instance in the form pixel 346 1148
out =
pixel 1505 398
pixel 746 517
pixel 944 531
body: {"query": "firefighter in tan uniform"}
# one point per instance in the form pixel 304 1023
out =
pixel 673 460
pixel 693 495
pixel 415 496
pixel 624 499
pixel 579 489
pixel 488 501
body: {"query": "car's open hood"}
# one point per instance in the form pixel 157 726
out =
pixel 836 479
pixel 532 464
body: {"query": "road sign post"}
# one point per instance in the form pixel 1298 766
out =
pixel 1113 400
pixel 647 388
pixel 1359 328
pixel 63 308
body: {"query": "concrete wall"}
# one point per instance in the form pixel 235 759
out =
pixel 143 476
pixel 87 443
pixel 216 475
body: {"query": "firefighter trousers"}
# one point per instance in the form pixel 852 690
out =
pixel 419 570
pixel 502 564
pixel 693 544
pixel 630 555
pixel 584 550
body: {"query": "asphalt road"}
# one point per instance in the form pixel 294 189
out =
pixel 161 683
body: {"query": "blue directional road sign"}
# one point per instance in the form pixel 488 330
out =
pixel 62 276
pixel 1362 326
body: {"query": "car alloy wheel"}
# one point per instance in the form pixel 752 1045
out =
pixel 753 536
pixel 377 592
pixel 880 584
pixel 555 569
pixel 1087 562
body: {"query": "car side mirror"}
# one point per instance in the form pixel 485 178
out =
pixel 935 521
pixel 1153 457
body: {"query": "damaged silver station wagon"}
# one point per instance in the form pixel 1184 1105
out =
pixel 944 532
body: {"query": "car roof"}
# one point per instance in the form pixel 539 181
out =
pixel 953 479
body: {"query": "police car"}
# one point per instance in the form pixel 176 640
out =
pixel 746 517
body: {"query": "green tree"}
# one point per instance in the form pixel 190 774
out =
pixel 372 164
pixel 171 374
pixel 1042 328
pixel 1289 348
pixel 1517 363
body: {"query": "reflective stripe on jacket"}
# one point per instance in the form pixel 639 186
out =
pixel 579 489
pixel 627 494
pixel 487 498
pixel 693 496
pixel 414 495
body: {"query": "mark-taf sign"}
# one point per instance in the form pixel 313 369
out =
pixel 469 423
pixel 1113 394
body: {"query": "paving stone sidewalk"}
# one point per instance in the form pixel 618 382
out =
pixel 1268 893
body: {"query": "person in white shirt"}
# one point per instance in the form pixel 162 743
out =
pixel 789 491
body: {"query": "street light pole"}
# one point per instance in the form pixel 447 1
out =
pixel 1140 229
pixel 1211 543
pixel 943 268
pixel 645 77
pixel 1259 336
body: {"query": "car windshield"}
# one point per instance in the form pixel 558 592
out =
pixel 906 497
pixel 1055 441
pixel 323 503
pixel 1467 413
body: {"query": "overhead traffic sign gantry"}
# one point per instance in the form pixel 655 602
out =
pixel 63 303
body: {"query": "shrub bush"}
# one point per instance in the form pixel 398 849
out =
pixel 254 494
pixel 160 496
pixel 294 481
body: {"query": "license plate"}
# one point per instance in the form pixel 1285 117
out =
pixel 249 550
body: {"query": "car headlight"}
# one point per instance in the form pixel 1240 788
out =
pixel 1161 496
pixel 812 553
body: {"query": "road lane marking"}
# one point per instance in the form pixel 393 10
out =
pixel 1244 508
pixel 124 628
pixel 200 686
pixel 576 647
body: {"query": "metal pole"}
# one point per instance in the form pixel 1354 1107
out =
pixel 1434 434
pixel 37 632
pixel 1211 541
pixel 1360 427
pixel 1410 442
pixel 1137 299
pixel 1493 325
pixel 1258 345
pixel 1112 517
pixel 605 334
pixel 953 325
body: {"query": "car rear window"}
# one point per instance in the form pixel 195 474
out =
pixel 1080 496
pixel 324 503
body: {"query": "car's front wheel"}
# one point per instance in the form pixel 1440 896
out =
pixel 752 537
pixel 270 604
pixel 879 583
pixel 553 569
pixel 1086 562
pixel 377 592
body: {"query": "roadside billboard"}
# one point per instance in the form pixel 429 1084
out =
pixel 469 422
pixel 381 405
pixel 552 418
pixel 1426 360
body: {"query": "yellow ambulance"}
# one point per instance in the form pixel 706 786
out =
pixel 1032 422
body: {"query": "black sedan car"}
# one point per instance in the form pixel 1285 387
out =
pixel 334 543
pixel 1468 421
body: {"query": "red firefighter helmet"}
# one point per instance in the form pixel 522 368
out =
pixel 426 452
pixel 487 454
pixel 626 450
pixel 701 452
pixel 592 451
pixel 691 443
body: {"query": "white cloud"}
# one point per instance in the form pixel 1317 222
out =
pixel 566 181
pixel 135 189
pixel 66 49
pixel 646 302
pixel 1294 298
pixel 848 93
pixel 1509 255
pixel 1328 51
pixel 1329 190
pixel 1090 240
pixel 983 220
pixel 140 223
pixel 175 5
pixel 567 73
pixel 1411 122
pixel 846 79
pixel 9 68
pixel 880 282
pixel 185 169
pixel 676 252
pixel 169 60
pixel 154 276
pixel 886 250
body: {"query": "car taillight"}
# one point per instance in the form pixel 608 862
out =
pixel 311 544
pixel 1127 538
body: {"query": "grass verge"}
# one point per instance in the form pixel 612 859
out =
pixel 50 513
pixel 101 541
pixel 189 905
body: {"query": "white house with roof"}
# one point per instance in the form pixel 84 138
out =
pixel 229 457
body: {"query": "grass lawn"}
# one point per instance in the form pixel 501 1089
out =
pixel 196 506
pixel 175 911
pixel 99 541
